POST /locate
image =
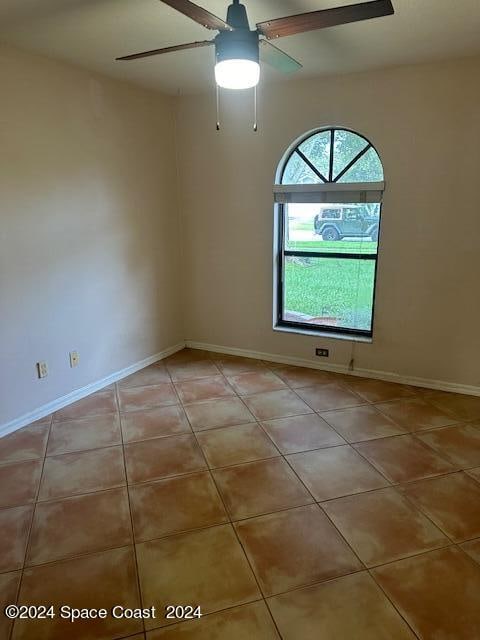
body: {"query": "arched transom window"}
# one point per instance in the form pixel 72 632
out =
pixel 328 193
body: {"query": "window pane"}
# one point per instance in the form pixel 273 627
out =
pixel 367 169
pixel 334 228
pixel 329 291
pixel 347 146
pixel 317 150
pixel 298 172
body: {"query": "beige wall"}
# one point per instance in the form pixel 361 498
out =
pixel 88 228
pixel 89 233
pixel 425 122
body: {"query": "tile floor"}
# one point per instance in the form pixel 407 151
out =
pixel 286 502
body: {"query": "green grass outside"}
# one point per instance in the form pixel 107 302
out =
pixel 301 226
pixel 337 246
pixel 331 287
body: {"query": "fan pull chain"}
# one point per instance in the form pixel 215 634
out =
pixel 218 107
pixel 255 125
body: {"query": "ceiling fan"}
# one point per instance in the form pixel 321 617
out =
pixel 238 49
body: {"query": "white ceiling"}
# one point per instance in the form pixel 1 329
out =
pixel 91 33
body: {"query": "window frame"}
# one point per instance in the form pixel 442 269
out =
pixel 330 192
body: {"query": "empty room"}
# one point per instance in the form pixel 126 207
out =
pixel 239 320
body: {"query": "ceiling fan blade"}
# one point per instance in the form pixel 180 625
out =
pixel 277 58
pixel 178 47
pixel 199 14
pixel 291 25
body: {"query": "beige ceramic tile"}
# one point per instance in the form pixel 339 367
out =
pixel 474 473
pixel 404 458
pixel 415 414
pixel 452 502
pixel 379 390
pixel 437 593
pixel 82 472
pixel 276 404
pixel 251 621
pixel 101 580
pixel 163 457
pixel 334 472
pixel 205 568
pixel 255 382
pixel 458 406
pixel 224 412
pixel 382 526
pixel 203 389
pixel 260 487
pixel 79 525
pixel 83 434
pixel 361 423
pixel 155 374
pixel 232 366
pixel 234 445
pixel 473 549
pixel 14 527
pixel 349 608
pixel 19 482
pixel 174 505
pixel 141 398
pixel 25 444
pixel 301 433
pixel 194 370
pixel 323 397
pixel 8 595
pixel 297 377
pixel 96 404
pixel 154 423
pixel 295 548
pixel 460 444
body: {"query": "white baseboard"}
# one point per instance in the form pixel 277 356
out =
pixel 78 394
pixel 441 385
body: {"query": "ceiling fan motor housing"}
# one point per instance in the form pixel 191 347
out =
pixel 240 44
pixel 237 45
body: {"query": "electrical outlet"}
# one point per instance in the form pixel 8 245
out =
pixel 74 359
pixel 323 353
pixel 42 369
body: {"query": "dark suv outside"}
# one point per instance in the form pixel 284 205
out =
pixel 336 222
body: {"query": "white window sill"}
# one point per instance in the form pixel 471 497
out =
pixel 323 334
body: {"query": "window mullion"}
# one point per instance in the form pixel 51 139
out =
pixel 311 165
pixel 292 253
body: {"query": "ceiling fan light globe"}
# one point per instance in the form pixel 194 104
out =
pixel 237 74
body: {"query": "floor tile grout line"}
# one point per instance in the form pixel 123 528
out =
pixel 234 521
pixel 134 546
pixel 187 531
pixel 392 602
pixel 260 591
pixel 398 400
pixel 438 452
pixel 79 555
pixel 205 615
pixel 402 482
pixel 333 524
pixel 425 515
pixel 61 498
pixel 30 527
pixel 354 445
pixel 281 455
pixel 392 483
pixel 73 453
pixel 258 422
pixel 284 457
pixel 396 487
pixel 350 406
